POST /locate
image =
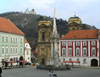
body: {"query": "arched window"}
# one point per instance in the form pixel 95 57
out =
pixel 3 50
pixel 43 36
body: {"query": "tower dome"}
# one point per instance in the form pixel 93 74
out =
pixel 74 23
pixel 75 19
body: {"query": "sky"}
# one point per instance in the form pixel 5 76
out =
pixel 87 10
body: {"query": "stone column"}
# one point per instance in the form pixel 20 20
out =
pixel 51 53
pixel 55 48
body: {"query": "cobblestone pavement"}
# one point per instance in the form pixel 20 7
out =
pixel 31 71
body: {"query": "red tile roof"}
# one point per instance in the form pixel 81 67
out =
pixel 26 41
pixel 7 26
pixel 81 34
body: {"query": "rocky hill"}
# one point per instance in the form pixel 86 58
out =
pixel 28 23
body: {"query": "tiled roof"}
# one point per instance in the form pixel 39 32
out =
pixel 26 41
pixel 81 34
pixel 7 26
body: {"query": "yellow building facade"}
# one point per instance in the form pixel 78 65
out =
pixel 74 23
pixel 44 45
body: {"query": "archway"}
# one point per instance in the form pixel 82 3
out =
pixel 21 58
pixel 42 61
pixel 94 62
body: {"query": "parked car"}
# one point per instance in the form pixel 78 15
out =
pixel 27 63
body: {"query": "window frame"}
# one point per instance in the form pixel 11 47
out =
pixel 84 43
pixel 92 51
pixel 77 43
pixel 63 51
pixel 77 51
pixel 69 43
pixel 84 51
pixel 70 50
pixel 93 43
pixel 63 43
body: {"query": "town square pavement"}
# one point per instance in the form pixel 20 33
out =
pixel 31 71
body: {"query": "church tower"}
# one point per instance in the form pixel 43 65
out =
pixel 74 23
pixel 44 45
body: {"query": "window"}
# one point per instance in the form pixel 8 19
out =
pixel 16 40
pixel 16 50
pixel 6 39
pixel 43 36
pixel 11 39
pixel 70 43
pixel 63 43
pixel 77 59
pixel 11 49
pixel 21 40
pixel 70 59
pixel 2 38
pixel 21 49
pixel 63 51
pixel 70 51
pixel 93 51
pixel 77 51
pixel 84 61
pixel 77 43
pixel 84 43
pixel 2 50
pixel 6 50
pixel 84 51
pixel 93 43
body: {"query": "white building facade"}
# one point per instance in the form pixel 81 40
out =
pixel 81 47
pixel 27 52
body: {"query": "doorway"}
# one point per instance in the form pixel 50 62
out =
pixel 94 62
pixel 42 61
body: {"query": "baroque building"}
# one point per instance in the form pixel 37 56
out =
pixel 74 23
pixel 44 45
